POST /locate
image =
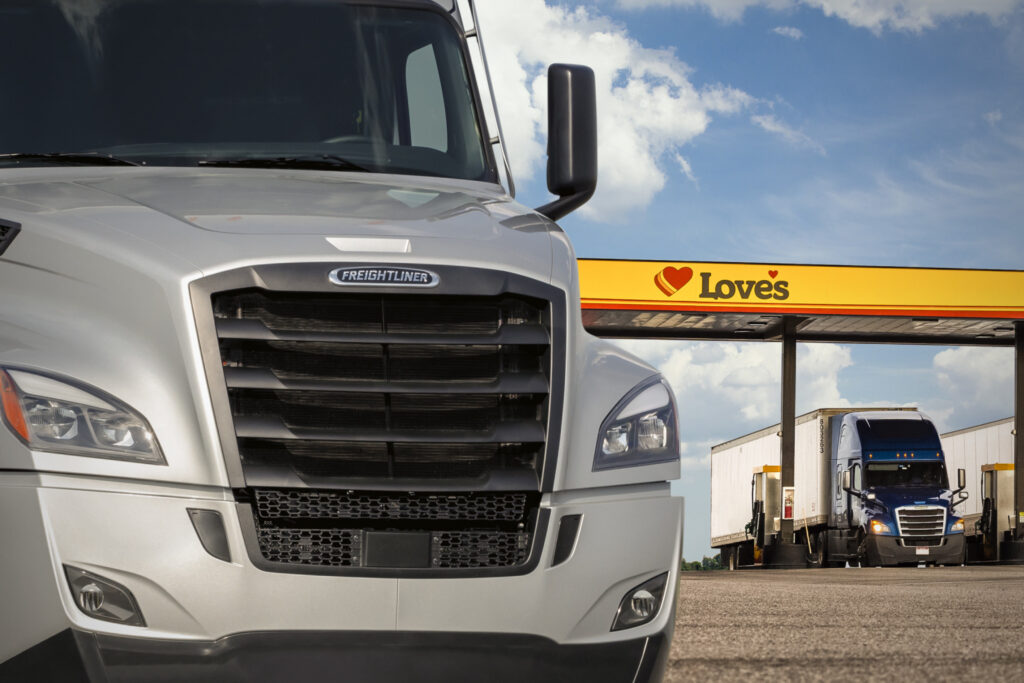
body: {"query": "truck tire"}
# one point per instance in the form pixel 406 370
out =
pixel 862 555
pixel 820 557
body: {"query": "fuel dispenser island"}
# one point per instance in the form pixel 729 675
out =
pixel 996 525
pixel 765 520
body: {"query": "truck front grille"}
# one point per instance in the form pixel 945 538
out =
pixel 392 387
pixel 386 432
pixel 921 521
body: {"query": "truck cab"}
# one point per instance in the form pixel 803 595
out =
pixel 892 500
pixel 292 387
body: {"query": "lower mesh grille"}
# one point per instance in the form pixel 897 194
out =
pixel 333 529
pixel 320 547
pixel 299 504
pixel 472 550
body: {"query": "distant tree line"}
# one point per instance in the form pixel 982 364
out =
pixel 705 564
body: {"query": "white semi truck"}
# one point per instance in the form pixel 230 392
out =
pixel 870 486
pixel 292 389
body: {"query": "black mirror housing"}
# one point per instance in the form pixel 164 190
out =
pixel 572 138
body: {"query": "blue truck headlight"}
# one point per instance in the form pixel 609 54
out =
pixel 879 527
pixel 957 526
pixel 640 429
pixel 61 416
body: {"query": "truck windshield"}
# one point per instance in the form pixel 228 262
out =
pixel 931 474
pixel 897 435
pixel 181 82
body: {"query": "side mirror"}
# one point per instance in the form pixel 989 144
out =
pixel 846 481
pixel 572 138
pixel 961 482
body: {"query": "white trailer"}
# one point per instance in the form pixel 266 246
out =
pixel 971 449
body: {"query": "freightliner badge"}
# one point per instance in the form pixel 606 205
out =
pixel 384 276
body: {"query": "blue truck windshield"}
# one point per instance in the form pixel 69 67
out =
pixel 931 474
pixel 897 435
pixel 179 82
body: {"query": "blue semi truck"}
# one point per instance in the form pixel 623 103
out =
pixel 871 486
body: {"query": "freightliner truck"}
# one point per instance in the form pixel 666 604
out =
pixel 871 487
pixel 292 389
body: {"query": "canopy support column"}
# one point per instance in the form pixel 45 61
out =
pixel 1018 426
pixel 786 552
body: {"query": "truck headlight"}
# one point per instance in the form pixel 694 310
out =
pixel 878 527
pixel 640 429
pixel 59 416
pixel 957 526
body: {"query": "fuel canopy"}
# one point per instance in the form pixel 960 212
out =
pixel 810 303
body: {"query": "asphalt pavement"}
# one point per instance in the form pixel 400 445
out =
pixel 898 624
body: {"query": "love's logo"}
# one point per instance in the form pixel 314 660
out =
pixel 670 280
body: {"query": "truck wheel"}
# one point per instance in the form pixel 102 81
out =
pixel 862 551
pixel 815 556
pixel 820 551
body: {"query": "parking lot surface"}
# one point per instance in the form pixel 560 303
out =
pixel 907 624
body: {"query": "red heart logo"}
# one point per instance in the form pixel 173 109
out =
pixel 671 280
pixel 772 273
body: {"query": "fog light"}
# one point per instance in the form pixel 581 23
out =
pixel 90 598
pixel 102 598
pixel 641 604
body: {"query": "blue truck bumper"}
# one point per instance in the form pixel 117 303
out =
pixel 890 550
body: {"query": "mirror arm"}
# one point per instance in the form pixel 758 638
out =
pixel 565 205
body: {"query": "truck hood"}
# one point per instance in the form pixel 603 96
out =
pixel 96 283
pixel 220 218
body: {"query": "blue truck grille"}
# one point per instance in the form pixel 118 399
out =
pixel 921 521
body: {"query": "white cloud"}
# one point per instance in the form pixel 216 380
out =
pixel 993 117
pixel 648 108
pixel 789 32
pixel 977 382
pixel 726 10
pixel 685 167
pixel 874 15
pixel 771 124
pixel 727 388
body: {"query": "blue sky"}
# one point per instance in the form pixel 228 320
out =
pixel 881 133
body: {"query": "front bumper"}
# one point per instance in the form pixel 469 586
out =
pixel 285 657
pixel 234 615
pixel 888 550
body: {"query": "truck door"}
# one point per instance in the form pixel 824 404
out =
pixel 840 461
pixel 854 506
pixel 838 497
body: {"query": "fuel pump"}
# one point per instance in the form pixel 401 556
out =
pixel 765 494
pixel 996 523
